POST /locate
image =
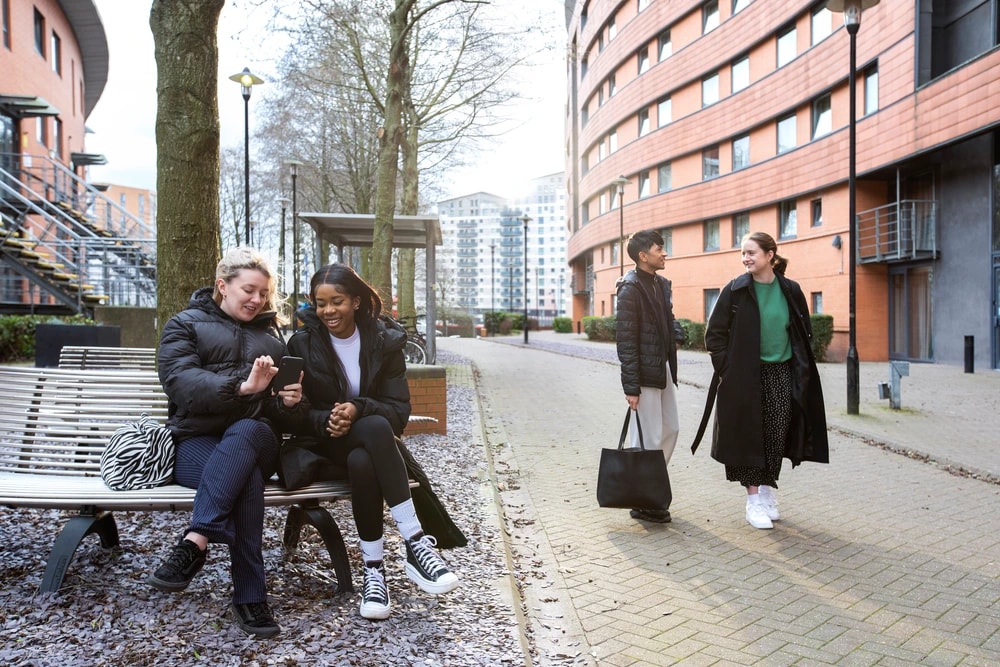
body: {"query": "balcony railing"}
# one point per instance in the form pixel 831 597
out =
pixel 901 231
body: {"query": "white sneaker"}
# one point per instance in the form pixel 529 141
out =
pixel 756 516
pixel 769 499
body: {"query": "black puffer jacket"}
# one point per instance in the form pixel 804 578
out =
pixel 646 343
pixel 203 358
pixel 384 390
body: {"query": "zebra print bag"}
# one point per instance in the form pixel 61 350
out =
pixel 139 455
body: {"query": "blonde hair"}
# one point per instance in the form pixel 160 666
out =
pixel 239 259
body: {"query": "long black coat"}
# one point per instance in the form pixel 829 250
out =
pixel 646 344
pixel 733 339
pixel 204 357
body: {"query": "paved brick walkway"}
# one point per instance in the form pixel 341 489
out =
pixel 879 559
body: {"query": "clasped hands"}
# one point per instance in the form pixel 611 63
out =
pixel 260 377
pixel 341 417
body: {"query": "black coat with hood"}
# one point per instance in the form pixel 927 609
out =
pixel 646 343
pixel 384 390
pixel 204 357
pixel 732 337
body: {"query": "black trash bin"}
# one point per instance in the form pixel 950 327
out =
pixel 50 338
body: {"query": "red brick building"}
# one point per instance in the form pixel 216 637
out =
pixel 728 116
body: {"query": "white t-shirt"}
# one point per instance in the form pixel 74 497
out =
pixel 349 352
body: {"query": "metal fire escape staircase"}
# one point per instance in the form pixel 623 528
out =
pixel 65 247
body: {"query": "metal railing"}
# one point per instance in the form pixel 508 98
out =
pixel 903 230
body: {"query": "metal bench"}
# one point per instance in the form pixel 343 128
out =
pixel 108 358
pixel 54 423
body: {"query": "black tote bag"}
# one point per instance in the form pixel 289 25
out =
pixel 633 477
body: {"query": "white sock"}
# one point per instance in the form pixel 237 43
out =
pixel 372 552
pixel 406 519
pixel 753 498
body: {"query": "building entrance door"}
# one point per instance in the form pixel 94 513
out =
pixel 7 148
pixel 910 336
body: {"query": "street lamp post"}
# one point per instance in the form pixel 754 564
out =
pixel 493 310
pixel 852 21
pixel 282 264
pixel 621 182
pixel 247 80
pixel 525 219
pixel 293 165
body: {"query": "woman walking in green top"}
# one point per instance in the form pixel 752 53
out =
pixel 770 403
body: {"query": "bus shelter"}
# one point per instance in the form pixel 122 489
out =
pixel 409 231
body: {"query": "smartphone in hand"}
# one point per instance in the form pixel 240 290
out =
pixel 288 373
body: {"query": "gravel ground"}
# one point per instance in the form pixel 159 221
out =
pixel 107 615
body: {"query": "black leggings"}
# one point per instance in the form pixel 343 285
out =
pixel 376 471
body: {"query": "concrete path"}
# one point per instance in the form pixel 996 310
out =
pixel 890 555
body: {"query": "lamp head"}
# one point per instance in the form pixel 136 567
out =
pixel 851 9
pixel 621 182
pixel 247 80
pixel 525 219
pixel 293 165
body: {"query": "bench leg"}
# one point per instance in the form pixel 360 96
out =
pixel 320 519
pixel 72 534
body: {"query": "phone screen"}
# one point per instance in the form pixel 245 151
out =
pixel 288 372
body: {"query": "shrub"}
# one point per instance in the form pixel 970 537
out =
pixel 822 326
pixel 694 334
pixel 562 325
pixel 599 328
pixel 17 334
pixel 492 320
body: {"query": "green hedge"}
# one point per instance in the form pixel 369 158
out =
pixel 694 334
pixel 562 325
pixel 822 326
pixel 599 328
pixel 17 334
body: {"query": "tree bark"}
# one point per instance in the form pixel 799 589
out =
pixel 187 148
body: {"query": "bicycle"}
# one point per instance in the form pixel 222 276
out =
pixel 415 350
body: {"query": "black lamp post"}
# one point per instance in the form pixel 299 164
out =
pixel 293 165
pixel 246 81
pixel 852 21
pixel 493 310
pixel 282 265
pixel 525 219
pixel 621 182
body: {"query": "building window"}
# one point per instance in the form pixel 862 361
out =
pixel 664 47
pixel 663 177
pixel 786 46
pixel 786 133
pixel 39 33
pixel 5 19
pixel 600 96
pixel 57 137
pixel 612 29
pixel 710 90
pixel 612 142
pixel 602 203
pixel 822 24
pixel 822 116
pixel 711 235
pixel 584 214
pixel 643 122
pixel 585 115
pixel 613 196
pixel 642 59
pixel 741 152
pixel 612 86
pixel 614 253
pixel 602 151
pixel 710 163
pixel 643 4
pixel 56 54
pixel 584 65
pixel 643 184
pixel 668 241
pixel 664 112
pixel 600 41
pixel 817 302
pixel 816 207
pixel 42 131
pixel 741 73
pixel 741 227
pixel 709 16
pixel 871 89
pixel 740 5
pixel 711 297
pixel 788 222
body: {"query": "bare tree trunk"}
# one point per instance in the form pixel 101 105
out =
pixel 187 148
pixel 406 270
pixel 388 159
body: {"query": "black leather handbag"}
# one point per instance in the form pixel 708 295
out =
pixel 633 477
